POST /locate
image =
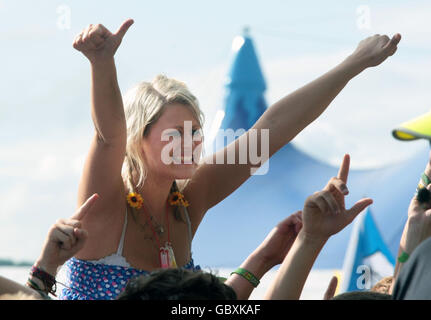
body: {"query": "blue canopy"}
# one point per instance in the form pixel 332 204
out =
pixel 235 227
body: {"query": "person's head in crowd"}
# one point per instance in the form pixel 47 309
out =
pixel 362 295
pixel 177 284
pixel 383 286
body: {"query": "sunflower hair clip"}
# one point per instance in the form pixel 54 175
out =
pixel 135 200
pixel 177 199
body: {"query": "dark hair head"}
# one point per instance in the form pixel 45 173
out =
pixel 362 295
pixel 177 284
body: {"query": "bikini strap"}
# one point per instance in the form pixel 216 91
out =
pixel 123 234
pixel 189 227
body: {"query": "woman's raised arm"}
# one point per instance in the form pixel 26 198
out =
pixel 102 170
pixel 280 123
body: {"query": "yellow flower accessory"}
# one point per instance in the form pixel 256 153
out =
pixel 135 200
pixel 177 199
pixel 185 203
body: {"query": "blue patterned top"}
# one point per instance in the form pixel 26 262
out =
pixel 106 278
pixel 89 281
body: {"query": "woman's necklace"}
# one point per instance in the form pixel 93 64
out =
pixel 158 227
pixel 166 252
pixel 136 202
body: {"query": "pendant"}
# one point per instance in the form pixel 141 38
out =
pixel 160 230
pixel 172 261
pixel 164 258
pixel 167 257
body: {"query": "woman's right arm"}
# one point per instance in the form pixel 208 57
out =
pixel 102 169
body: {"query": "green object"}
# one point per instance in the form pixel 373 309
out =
pixel 403 257
pixel 425 179
pixel 250 277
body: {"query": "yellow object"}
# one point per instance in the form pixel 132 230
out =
pixel 418 128
pixel 177 199
pixel 135 200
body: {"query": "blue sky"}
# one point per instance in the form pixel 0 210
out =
pixel 45 125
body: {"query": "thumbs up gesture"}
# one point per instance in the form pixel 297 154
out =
pixel 98 43
pixel 65 239
pixel 373 50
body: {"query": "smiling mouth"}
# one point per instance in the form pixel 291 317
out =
pixel 182 160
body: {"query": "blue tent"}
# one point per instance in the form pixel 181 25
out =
pixel 232 229
pixel 368 258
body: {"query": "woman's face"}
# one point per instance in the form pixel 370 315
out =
pixel 172 147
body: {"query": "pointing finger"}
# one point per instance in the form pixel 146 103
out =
pixel 343 173
pixel 85 208
pixel 332 287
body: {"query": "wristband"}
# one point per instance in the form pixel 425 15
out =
pixel 50 285
pixel 403 257
pixel 250 277
pixel 424 181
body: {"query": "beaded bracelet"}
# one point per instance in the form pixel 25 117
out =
pixel 49 282
pixel 250 277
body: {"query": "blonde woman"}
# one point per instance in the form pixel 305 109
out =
pixel 147 216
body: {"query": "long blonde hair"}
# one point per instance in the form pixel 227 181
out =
pixel 143 106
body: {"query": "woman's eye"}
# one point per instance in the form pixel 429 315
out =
pixel 174 134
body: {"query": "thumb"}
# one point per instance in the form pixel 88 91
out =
pixel 81 236
pixel 123 28
pixel 393 42
pixel 358 208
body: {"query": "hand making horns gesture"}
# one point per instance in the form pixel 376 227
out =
pixel 324 212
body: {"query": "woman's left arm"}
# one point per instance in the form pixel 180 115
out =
pixel 284 120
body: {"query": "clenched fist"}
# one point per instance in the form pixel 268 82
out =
pixel 373 50
pixel 98 43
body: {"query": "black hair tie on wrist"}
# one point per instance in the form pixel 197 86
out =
pixel 423 196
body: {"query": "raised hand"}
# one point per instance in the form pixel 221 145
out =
pixel 279 241
pixel 98 43
pixel 332 288
pixel 325 213
pixel 372 51
pixel 65 239
pixel 418 225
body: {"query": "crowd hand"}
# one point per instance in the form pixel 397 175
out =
pixel 332 288
pixel 418 223
pixel 324 212
pixel 278 242
pixel 98 43
pixel 65 238
pixel 373 50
